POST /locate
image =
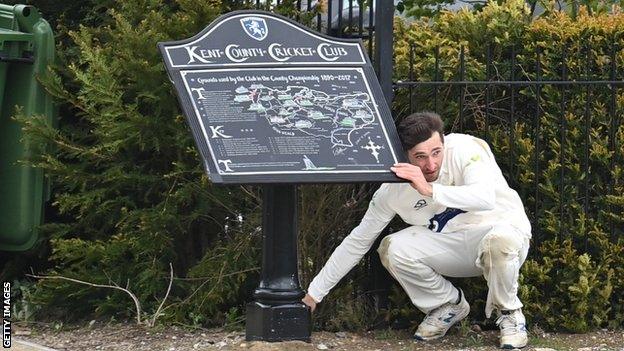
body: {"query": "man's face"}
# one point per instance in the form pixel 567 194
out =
pixel 428 156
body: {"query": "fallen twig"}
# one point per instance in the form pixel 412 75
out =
pixel 149 322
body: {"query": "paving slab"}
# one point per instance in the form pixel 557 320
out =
pixel 22 345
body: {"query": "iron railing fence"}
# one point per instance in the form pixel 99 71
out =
pixel 580 94
pixel 369 20
pixel 499 91
pixel 338 18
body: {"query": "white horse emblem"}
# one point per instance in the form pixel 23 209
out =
pixel 255 27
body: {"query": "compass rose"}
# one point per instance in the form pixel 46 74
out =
pixel 372 147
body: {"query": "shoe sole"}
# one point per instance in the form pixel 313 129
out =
pixel 511 347
pixel 420 338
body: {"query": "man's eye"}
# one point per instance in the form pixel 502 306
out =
pixel 436 153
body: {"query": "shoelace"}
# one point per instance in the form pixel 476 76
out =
pixel 507 324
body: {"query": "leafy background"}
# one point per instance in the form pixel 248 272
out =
pixel 131 197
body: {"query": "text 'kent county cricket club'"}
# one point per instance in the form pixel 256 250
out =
pixel 276 51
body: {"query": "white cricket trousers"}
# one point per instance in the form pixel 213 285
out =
pixel 419 258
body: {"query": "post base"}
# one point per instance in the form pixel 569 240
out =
pixel 278 323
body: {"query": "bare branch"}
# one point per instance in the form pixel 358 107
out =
pixel 157 313
pixel 223 276
pixel 115 286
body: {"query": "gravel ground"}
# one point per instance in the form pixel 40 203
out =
pixel 120 336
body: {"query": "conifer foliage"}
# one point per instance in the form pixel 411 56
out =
pixel 129 187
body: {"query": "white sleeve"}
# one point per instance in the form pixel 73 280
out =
pixel 477 192
pixel 354 246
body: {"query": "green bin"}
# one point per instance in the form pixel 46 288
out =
pixel 26 49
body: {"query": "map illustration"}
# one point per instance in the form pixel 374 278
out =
pixel 313 112
pixel 307 120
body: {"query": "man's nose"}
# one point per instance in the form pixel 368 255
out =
pixel 430 163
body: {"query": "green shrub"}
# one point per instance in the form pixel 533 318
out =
pixel 573 277
pixel 129 189
pixel 131 194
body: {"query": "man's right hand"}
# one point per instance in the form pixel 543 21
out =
pixel 415 175
pixel 309 301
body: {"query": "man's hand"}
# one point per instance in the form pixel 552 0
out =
pixel 415 176
pixel 308 300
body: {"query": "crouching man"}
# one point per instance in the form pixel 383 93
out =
pixel 465 221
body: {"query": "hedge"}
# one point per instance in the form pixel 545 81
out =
pixel 130 195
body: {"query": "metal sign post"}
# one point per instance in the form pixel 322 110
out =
pixel 277 312
pixel 272 102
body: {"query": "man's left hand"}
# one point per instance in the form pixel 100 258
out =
pixel 309 301
pixel 415 176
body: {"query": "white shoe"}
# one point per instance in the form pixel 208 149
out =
pixel 513 334
pixel 440 320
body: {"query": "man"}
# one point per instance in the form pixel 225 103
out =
pixel 465 222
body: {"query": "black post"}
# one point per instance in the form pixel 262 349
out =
pixel 384 17
pixel 277 314
pixel 383 62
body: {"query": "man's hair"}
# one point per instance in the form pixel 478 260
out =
pixel 418 127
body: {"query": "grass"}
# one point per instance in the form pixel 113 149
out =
pixel 537 341
pixel 469 336
pixel 390 334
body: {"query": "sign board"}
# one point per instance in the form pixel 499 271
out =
pixel 270 101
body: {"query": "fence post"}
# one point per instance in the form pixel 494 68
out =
pixel 382 61
pixel 384 23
